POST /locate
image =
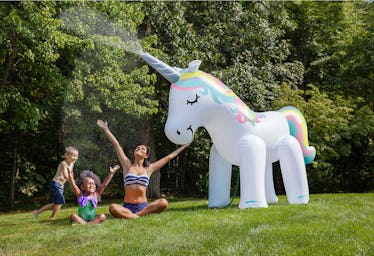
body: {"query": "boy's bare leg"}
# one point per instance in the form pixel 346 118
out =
pixel 44 208
pixel 56 209
pixel 155 207
pixel 74 217
pixel 119 211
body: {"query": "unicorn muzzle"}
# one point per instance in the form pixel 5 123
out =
pixel 179 135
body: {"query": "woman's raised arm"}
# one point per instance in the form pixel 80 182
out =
pixel 161 162
pixel 124 160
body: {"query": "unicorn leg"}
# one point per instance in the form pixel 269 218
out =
pixel 293 171
pixel 271 197
pixel 219 180
pixel 252 159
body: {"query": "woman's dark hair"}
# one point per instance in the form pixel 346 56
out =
pixel 147 160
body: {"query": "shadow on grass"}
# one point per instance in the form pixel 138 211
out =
pixel 198 208
pixel 58 222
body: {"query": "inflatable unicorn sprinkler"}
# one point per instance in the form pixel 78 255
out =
pixel 240 136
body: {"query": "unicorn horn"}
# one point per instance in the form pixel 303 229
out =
pixel 164 69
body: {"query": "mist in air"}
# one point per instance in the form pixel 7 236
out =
pixel 79 126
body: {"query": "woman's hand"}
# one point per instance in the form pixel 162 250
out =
pixel 103 125
pixel 185 145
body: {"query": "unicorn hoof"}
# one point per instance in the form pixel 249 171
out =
pixel 304 199
pixel 218 205
pixel 252 204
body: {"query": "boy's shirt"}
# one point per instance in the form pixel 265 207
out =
pixel 61 175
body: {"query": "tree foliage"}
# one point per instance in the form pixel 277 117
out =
pixel 59 74
pixel 332 41
pixel 31 86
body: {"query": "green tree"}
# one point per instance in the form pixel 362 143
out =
pixel 354 56
pixel 340 130
pixel 30 85
pixel 334 42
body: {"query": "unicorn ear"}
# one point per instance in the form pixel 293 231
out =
pixel 194 65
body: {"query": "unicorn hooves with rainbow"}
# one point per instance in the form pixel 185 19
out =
pixel 251 140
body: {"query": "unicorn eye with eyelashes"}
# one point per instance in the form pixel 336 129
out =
pixel 194 101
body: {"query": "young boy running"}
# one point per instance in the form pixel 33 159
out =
pixel 56 186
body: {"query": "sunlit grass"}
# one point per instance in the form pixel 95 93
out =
pixel 331 224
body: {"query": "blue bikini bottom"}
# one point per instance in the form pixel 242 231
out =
pixel 134 208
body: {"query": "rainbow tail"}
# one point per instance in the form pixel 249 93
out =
pixel 298 129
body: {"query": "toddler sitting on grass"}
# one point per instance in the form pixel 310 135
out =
pixel 88 196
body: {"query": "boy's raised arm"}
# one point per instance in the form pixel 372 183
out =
pixel 76 189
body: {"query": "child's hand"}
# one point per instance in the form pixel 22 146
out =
pixel 103 125
pixel 114 169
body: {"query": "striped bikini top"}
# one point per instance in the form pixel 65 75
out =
pixel 130 179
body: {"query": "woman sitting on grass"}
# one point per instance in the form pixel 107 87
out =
pixel 136 179
pixel 88 196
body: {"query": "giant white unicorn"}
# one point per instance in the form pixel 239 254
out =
pixel 242 137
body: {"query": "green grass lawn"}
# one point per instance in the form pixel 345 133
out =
pixel 331 224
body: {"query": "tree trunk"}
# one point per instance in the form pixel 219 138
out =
pixel 14 170
pixel 7 67
pixel 154 190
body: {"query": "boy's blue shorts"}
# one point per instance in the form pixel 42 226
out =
pixel 57 192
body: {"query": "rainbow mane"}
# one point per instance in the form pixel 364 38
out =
pixel 220 93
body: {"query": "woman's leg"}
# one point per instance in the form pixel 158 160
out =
pixel 118 211
pixel 155 207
